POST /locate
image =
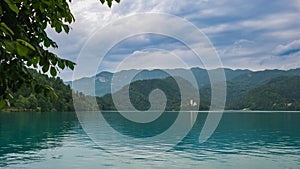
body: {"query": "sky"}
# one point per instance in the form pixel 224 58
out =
pixel 255 35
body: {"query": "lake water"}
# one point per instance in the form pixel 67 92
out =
pixel 242 140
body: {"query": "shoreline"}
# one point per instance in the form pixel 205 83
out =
pixel 202 111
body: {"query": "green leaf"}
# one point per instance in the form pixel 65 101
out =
pixel 42 9
pixel 70 64
pixel 66 28
pixel 109 3
pixel 53 71
pixel 48 3
pixel 12 6
pixel 60 2
pixel 23 42
pixel 21 49
pixel 7 28
pixel 42 62
pixel 10 46
pixel 43 25
pixel 35 60
pixel 2 104
pixel 69 18
pixel 45 67
pixel 29 63
pixel 54 60
pixel 61 64
pixel 58 28
pixel 47 43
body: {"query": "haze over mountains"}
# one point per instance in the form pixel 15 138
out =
pixel 255 90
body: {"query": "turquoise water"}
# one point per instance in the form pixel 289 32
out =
pixel 242 140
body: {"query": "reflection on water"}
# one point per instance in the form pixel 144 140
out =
pixel 242 140
pixel 253 134
pixel 22 134
pixel 140 130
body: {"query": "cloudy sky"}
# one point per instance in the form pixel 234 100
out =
pixel 256 35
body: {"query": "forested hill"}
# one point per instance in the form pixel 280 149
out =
pixel 139 92
pixel 28 100
pixel 263 90
pixel 278 93
pixel 281 93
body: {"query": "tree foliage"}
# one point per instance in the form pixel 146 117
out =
pixel 139 92
pixel 281 93
pixel 27 100
pixel 25 43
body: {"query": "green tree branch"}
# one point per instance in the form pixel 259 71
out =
pixel 24 43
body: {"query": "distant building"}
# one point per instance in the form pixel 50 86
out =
pixel 193 103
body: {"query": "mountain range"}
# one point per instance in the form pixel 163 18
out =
pixel 246 89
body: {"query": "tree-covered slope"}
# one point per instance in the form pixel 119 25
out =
pixel 264 90
pixel 281 93
pixel 139 92
pixel 28 99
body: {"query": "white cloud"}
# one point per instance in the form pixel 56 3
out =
pixel 240 48
pixel 272 22
pixel 226 22
pixel 170 6
pixel 263 62
pixel 151 58
pixel 297 3
pixel 245 54
pixel 283 35
pixel 220 28
pixel 290 48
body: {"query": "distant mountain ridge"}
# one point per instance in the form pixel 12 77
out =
pixel 246 90
pixel 103 80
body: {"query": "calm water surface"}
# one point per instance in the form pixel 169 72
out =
pixel 242 140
